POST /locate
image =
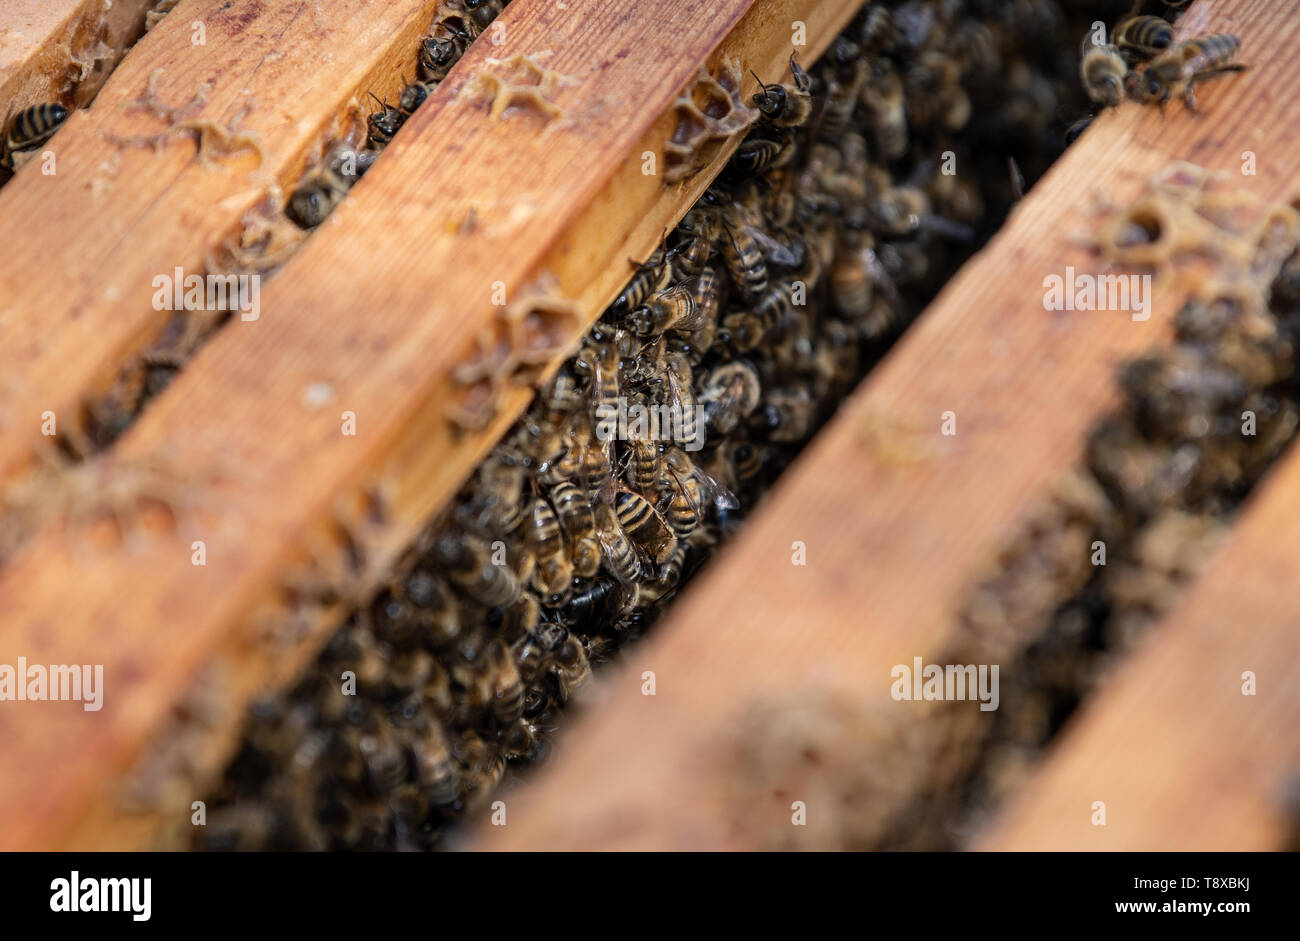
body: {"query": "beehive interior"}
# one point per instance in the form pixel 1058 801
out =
pixel 925 117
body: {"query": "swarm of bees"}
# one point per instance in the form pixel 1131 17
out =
pixel 456 24
pixel 832 224
pixel 1143 62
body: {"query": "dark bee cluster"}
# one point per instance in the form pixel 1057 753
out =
pixel 867 179
pixel 456 24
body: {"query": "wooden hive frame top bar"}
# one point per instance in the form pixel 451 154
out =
pixel 376 310
pixel 899 522
pixel 115 215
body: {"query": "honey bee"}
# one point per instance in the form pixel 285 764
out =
pixel 643 468
pixel 561 398
pixel 1142 37
pixel 708 299
pixel 882 96
pixel 644 525
pixel 651 277
pixel 30 128
pixel 788 414
pixel 854 274
pixel 681 395
pixel 554 569
pixel 579 525
pixel 435 768
pixel 785 105
pixel 483 12
pixel 1104 72
pixel 412 96
pixel 481 768
pixel 470 566
pixel 730 393
pixel 691 490
pixel 602 601
pixel 743 256
pixel 320 191
pixel 442 49
pixel 570 664
pixel 595 469
pixel 843 88
pixel 701 228
pixel 520 618
pixel 507 686
pixel 605 386
pixel 620 555
pixel 758 155
pixel 745 330
pixel 744 460
pixel 384 123
pixel 1182 66
pixel 498 497
pixel 665 310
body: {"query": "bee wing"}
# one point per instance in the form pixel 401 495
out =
pixel 946 228
pixel 879 275
pixel 713 491
pixel 775 252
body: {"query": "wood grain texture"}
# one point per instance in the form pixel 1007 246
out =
pixel 114 216
pixel 39 39
pixel 899 522
pixel 377 308
pixel 1180 757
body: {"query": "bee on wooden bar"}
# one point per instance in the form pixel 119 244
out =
pixel 651 276
pixel 1181 67
pixel 30 128
pixel 320 191
pixel 384 123
pixel 785 105
pixel 483 12
pixel 1104 73
pixel 1142 37
pixel 440 51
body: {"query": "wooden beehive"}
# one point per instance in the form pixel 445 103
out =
pixel 371 315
